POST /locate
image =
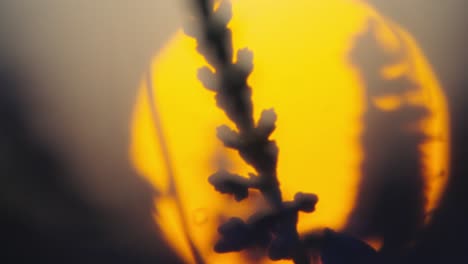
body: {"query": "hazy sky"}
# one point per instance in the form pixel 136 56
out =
pixel 84 59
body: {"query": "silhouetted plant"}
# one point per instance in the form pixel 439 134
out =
pixel 275 228
pixel 392 168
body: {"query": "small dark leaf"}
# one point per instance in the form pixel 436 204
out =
pixel 228 183
pixel 266 124
pixel 235 236
pixel 305 201
pixel 245 60
pixel 208 78
pixel 189 28
pixel 224 12
pixel 229 137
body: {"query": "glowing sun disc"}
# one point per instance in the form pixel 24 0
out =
pixel 301 69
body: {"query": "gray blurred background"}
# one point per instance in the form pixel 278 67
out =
pixel 79 62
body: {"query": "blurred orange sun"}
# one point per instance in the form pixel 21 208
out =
pixel 301 50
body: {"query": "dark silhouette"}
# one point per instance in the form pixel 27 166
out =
pixel 276 230
pixel 68 229
pixel 444 40
pixel 391 198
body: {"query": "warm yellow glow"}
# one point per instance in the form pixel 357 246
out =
pixel 302 70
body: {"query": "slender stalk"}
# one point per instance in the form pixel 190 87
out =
pixel 251 140
pixel 170 168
